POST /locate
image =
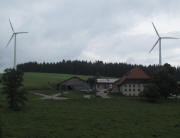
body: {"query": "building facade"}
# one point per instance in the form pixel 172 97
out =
pixel 132 88
pixel 105 84
pixel 73 83
pixel 133 83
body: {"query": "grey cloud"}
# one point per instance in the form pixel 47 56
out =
pixel 68 29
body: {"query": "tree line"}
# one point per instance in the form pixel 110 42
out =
pixel 97 68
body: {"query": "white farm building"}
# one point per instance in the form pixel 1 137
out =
pixel 133 83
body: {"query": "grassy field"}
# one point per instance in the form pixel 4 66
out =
pixel 79 118
pixel 33 81
pixel 40 80
pixel 118 117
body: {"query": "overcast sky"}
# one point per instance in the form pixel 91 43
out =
pixel 111 31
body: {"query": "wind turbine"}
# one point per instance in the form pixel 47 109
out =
pixel 159 41
pixel 14 35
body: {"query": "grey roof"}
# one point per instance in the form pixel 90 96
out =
pixel 112 80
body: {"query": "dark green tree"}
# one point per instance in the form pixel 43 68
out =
pixel 177 91
pixel 164 78
pixel 12 81
pixel 151 92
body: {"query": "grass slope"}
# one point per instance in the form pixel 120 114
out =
pixel 40 80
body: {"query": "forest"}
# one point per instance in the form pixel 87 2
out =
pixel 97 68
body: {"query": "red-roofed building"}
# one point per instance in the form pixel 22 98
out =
pixel 132 83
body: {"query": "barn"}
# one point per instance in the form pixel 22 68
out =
pixel 74 83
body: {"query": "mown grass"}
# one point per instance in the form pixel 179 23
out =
pixel 124 117
pixel 118 117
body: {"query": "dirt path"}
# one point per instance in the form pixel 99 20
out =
pixel 51 97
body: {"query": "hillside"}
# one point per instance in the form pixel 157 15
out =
pixel 34 81
pixel 41 80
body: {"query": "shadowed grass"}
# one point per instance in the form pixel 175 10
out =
pixel 125 117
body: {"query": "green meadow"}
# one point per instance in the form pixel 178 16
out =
pixel 41 80
pixel 118 117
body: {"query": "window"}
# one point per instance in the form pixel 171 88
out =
pixel 125 85
pixel 139 90
pixel 105 86
pixel 133 85
pixel 110 85
pixel 133 89
pixel 129 89
pixel 129 85
pixel 125 89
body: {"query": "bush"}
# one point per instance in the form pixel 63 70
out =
pixel 151 92
pixel 177 91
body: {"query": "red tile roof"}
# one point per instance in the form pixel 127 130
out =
pixel 136 74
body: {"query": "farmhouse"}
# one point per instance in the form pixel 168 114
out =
pixel 102 84
pixel 73 83
pixel 133 83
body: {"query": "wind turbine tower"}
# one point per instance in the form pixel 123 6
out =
pixel 14 35
pixel 159 41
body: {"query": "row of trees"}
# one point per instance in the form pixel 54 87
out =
pixel 88 68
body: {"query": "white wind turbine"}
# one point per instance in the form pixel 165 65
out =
pixel 159 41
pixel 14 36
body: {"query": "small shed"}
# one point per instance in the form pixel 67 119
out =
pixel 74 83
pixel 105 83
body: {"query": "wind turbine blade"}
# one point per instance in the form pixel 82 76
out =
pixel 21 32
pixel 11 25
pixel 169 38
pixel 155 29
pixel 154 46
pixel 10 40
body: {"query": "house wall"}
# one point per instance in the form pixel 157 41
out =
pixel 76 84
pixel 131 89
pixel 102 86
